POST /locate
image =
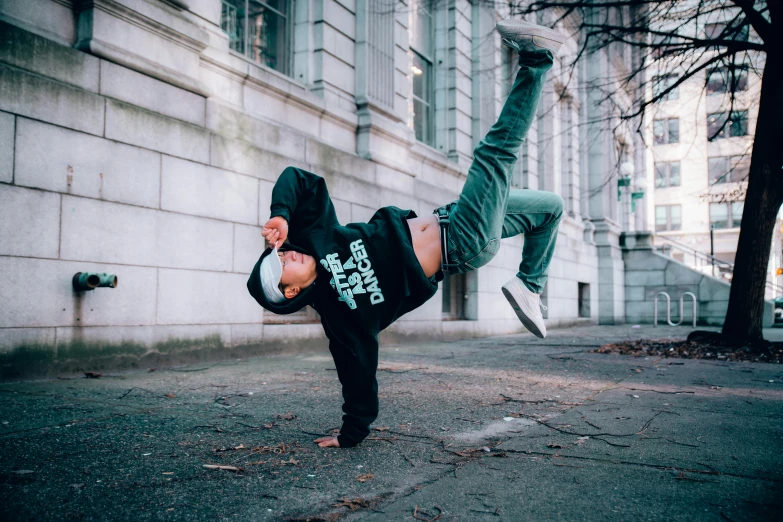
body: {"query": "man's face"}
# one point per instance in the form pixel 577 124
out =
pixel 298 271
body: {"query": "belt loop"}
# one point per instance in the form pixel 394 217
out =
pixel 443 224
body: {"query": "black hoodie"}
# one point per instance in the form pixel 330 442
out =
pixel 368 276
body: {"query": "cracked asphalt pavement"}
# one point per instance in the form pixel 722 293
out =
pixel 504 428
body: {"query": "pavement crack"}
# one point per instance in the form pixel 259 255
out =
pixel 661 467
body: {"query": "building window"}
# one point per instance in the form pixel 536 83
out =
pixel 584 299
pixel 423 50
pixel 721 80
pixel 668 218
pixel 661 83
pixel 720 31
pixel 666 131
pixel 260 30
pixel 722 125
pixel 726 169
pixel 454 297
pixel 667 174
pixel 726 215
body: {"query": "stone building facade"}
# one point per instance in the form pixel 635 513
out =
pixel 142 138
pixel 697 165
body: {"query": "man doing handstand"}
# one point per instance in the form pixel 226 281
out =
pixel 361 277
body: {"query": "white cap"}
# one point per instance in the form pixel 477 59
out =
pixel 271 270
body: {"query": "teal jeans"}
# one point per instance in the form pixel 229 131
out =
pixel 488 209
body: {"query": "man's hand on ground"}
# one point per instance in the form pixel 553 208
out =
pixel 327 442
pixel 275 230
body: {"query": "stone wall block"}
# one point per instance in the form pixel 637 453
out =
pixel 336 15
pixel 263 134
pixel 42 99
pixel 171 339
pixel 264 201
pixel 711 289
pixel 644 260
pixel 67 161
pixel 150 130
pixel 40 55
pixel 197 297
pixel 141 90
pixel 242 157
pixel 26 281
pixel 322 156
pixel 343 211
pixel 248 247
pixel 677 274
pixel 52 19
pixel 636 293
pixel 7 131
pixel 143 36
pixel 272 107
pixel 674 291
pixel 334 42
pixel 12 338
pixel 209 10
pixel 293 334
pixel 29 222
pixel 113 233
pixel 337 73
pixel 199 190
pixel 644 277
pixel 247 334
pixel 361 214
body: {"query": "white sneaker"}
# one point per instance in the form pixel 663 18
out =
pixel 527 306
pixel 518 35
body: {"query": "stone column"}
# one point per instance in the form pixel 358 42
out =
pixel 602 187
pixel 382 135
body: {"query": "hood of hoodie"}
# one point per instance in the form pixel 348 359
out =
pixel 290 306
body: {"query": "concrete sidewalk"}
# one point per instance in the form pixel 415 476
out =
pixel 509 428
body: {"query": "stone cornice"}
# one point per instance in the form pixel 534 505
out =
pixel 150 18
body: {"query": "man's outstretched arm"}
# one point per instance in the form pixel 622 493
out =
pixel 356 368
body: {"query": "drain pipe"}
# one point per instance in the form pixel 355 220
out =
pixel 84 281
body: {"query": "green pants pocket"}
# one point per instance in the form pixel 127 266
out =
pixel 485 256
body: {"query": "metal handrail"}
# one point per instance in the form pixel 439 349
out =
pixel 710 260
pixel 697 253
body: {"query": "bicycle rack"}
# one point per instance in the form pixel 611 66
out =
pixel 669 308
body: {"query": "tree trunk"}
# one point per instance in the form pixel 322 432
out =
pixel 762 202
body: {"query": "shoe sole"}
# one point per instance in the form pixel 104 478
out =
pixel 526 321
pixel 513 29
pixel 541 36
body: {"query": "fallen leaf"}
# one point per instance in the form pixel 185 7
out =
pixel 381 428
pixel 580 441
pixel 171 396
pixel 554 446
pixel 92 375
pixel 352 504
pixel 290 461
pixel 365 477
pixel 287 416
